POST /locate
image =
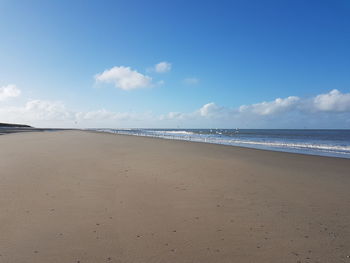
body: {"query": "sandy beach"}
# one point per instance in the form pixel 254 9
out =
pixel 77 197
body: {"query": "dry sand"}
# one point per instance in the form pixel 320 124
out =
pixel 89 197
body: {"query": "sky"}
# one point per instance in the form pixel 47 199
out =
pixel 175 64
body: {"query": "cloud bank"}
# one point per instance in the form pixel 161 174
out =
pixel 328 110
pixel 334 101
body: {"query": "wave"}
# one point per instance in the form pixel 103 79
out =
pixel 299 145
pixel 174 132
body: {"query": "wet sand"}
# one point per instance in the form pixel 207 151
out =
pixel 76 197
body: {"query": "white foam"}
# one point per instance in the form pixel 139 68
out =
pixel 174 132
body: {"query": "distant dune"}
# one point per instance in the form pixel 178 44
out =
pixel 14 125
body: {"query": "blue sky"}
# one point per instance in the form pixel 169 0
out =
pixel 248 64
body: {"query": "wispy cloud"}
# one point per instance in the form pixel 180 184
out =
pixel 9 91
pixel 43 113
pixel 124 78
pixel 38 112
pixel 162 67
pixel 191 81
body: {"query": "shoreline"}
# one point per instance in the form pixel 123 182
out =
pixel 298 152
pixel 82 196
pixel 221 144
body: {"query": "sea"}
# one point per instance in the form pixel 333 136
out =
pixel 333 143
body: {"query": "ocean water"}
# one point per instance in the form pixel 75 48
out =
pixel 334 143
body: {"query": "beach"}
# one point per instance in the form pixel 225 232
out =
pixel 79 196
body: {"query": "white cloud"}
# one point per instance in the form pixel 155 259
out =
pixel 124 78
pixel 191 81
pixel 9 91
pixel 333 101
pixel 267 108
pixel 162 67
pixel 209 110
